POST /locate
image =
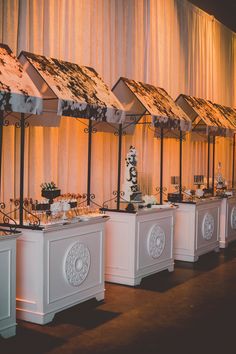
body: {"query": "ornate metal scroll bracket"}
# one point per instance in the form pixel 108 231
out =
pixel 33 220
pixel 92 130
pixel 115 194
pixel 160 190
pixel 18 124
pixel 26 120
pixel 7 219
pixel 5 123
pixel 89 198
pixel 117 133
pixel 180 189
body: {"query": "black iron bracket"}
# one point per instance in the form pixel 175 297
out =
pixel 116 194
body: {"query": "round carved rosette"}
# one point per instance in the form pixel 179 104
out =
pixel 77 264
pixel 207 226
pixel 156 241
pixel 233 218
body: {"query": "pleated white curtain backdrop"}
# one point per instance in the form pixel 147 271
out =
pixel 168 43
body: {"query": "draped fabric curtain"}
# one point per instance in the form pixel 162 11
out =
pixel 223 91
pixel 168 43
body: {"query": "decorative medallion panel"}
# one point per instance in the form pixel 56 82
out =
pixel 156 241
pixel 233 218
pixel 77 264
pixel 207 226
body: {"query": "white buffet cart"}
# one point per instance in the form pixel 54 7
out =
pixel 63 265
pixel 197 228
pixel 139 244
pixel 227 221
pixel 59 267
pixel 8 283
pixel 228 205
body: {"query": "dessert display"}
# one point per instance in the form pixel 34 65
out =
pixel 53 208
pixel 49 191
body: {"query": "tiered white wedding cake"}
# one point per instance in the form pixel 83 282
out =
pixel 130 185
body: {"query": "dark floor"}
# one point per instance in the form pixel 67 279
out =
pixel 192 310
